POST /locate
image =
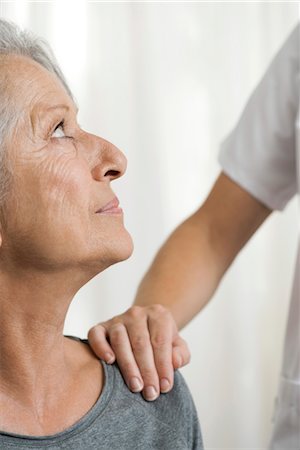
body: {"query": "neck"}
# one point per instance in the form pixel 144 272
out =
pixel 33 351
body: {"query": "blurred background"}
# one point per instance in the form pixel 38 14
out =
pixel 166 82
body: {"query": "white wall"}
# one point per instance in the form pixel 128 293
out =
pixel 166 82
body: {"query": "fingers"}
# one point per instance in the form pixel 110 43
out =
pixel 146 344
pixel 97 337
pixel 181 355
pixel 143 352
pixel 117 334
pixel 161 330
pixel 126 361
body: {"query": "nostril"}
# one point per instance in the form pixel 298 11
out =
pixel 112 173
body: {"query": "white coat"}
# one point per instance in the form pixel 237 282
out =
pixel 262 155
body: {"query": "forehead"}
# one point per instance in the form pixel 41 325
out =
pixel 30 85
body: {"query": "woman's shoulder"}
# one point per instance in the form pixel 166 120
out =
pixel 172 415
pixel 175 411
pixel 178 400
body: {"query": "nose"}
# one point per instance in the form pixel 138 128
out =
pixel 110 163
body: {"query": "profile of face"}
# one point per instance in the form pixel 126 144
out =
pixel 60 211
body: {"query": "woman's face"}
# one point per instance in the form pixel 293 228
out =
pixel 61 181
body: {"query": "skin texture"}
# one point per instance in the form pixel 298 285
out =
pixel 52 243
pixel 182 279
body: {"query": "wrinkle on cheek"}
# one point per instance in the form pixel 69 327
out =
pixel 66 184
pixel 51 181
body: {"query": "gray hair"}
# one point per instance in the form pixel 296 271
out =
pixel 14 41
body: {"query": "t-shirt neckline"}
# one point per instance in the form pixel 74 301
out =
pixel 82 424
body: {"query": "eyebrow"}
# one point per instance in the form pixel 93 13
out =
pixel 59 106
pixel 40 110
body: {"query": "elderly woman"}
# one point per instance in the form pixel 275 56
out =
pixel 60 225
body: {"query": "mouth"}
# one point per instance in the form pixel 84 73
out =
pixel 111 208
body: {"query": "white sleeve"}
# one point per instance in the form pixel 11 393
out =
pixel 260 153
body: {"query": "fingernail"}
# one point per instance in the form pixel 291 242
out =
pixel 135 384
pixel 109 358
pixel 150 393
pixel 164 385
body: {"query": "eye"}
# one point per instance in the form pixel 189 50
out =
pixel 58 131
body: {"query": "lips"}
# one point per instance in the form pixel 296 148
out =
pixel 111 207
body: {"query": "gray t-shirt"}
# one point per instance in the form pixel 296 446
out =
pixel 122 420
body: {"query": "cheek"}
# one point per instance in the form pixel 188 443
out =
pixel 50 207
pixel 68 187
pixel 64 181
pixel 53 190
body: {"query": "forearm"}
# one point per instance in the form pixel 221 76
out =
pixel 185 273
pixel 190 265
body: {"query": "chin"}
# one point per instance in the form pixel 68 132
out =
pixel 114 251
pixel 124 249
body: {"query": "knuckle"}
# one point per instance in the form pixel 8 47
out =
pixel 163 368
pixel 95 331
pixel 139 343
pixel 117 332
pixel 158 309
pixel 117 327
pixel 114 321
pixel 127 368
pixel 149 376
pixel 135 311
pixel 159 340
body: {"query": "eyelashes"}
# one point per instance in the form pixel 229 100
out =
pixel 61 124
pixel 59 131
